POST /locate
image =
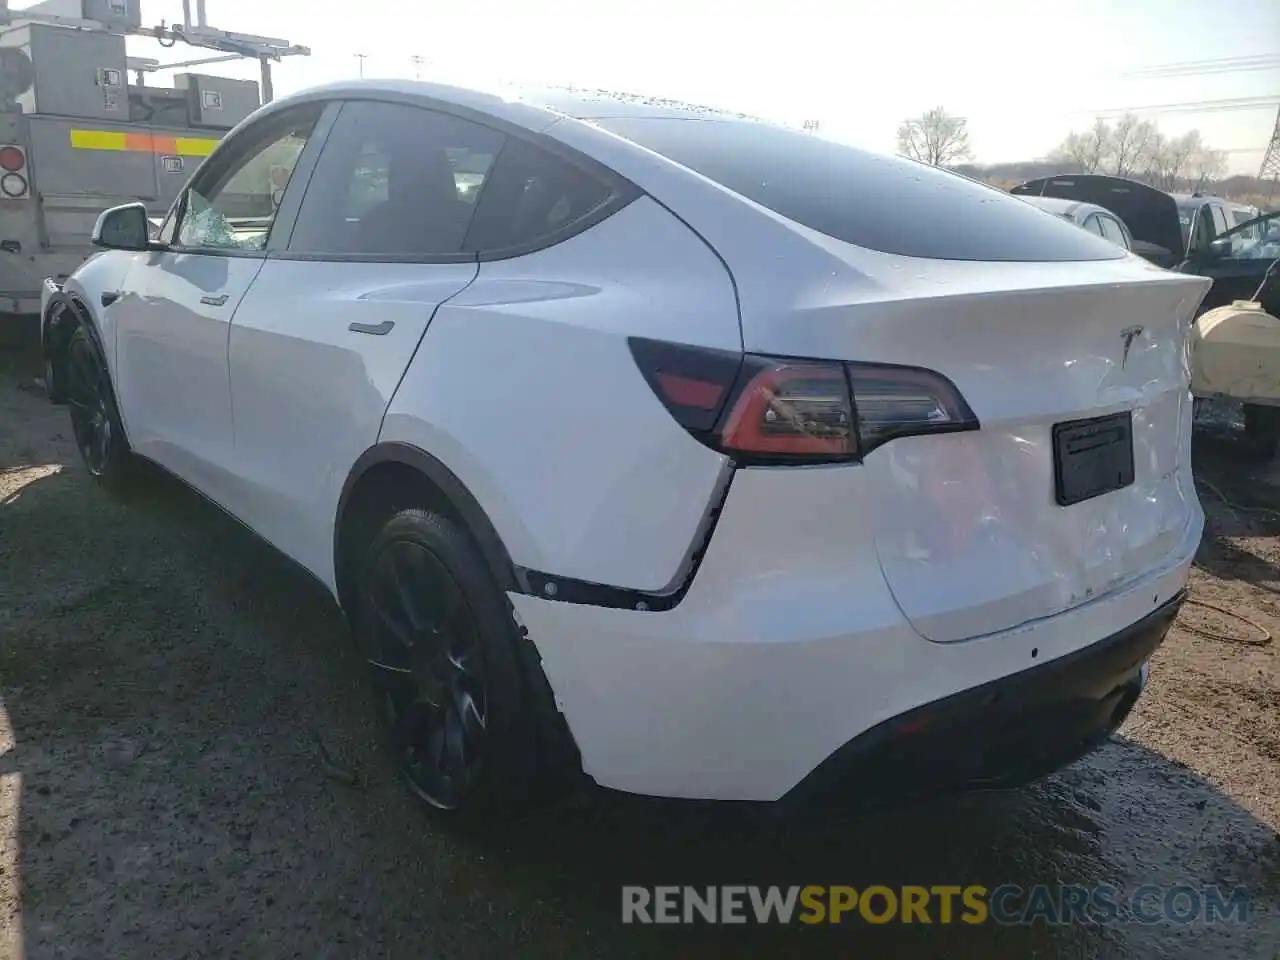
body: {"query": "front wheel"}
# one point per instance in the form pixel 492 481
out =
pixel 439 641
pixel 95 420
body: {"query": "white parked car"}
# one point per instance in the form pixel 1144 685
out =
pixel 707 458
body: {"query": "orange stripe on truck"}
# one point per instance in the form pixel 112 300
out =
pixel 142 142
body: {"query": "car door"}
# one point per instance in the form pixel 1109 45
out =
pixel 172 322
pixel 1236 260
pixel 324 335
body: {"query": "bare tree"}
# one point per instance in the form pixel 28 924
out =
pixel 1131 145
pixel 936 138
pixel 1157 158
pixel 1087 150
pixel 1176 157
pixel 1206 165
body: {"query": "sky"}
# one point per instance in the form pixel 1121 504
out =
pixel 1023 72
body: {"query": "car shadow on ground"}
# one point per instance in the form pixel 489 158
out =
pixel 198 777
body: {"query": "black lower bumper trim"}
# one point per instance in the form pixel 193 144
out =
pixel 1004 733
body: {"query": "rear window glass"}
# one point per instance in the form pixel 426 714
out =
pixel 882 203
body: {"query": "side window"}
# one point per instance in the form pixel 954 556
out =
pixel 1256 239
pixel 1112 231
pixel 1219 220
pixel 395 181
pixel 1220 224
pixel 1092 225
pixel 1204 229
pixel 232 205
pixel 533 195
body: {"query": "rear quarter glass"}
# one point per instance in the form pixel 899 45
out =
pixel 888 204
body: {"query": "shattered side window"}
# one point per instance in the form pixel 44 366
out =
pixel 204 226
pixel 236 211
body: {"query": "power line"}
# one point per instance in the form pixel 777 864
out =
pixel 1193 106
pixel 1192 68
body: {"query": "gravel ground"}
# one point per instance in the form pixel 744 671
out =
pixel 187 770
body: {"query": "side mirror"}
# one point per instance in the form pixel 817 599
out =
pixel 123 228
pixel 1218 249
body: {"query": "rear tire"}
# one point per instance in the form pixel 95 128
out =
pixel 440 643
pixel 95 419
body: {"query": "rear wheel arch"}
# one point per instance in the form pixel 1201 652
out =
pixel 394 475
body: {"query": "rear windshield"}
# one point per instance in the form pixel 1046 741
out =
pixel 882 203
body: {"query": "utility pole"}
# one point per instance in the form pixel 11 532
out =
pixel 361 57
pixel 417 62
pixel 1271 159
pixel 268 88
pixel 810 126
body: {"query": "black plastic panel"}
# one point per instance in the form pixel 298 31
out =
pixel 1092 457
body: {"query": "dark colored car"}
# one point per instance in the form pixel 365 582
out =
pixel 1193 234
pixel 1150 214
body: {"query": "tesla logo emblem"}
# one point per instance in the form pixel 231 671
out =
pixel 1128 335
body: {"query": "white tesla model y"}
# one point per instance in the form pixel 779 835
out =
pixel 698 456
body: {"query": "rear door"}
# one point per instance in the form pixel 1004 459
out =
pixel 173 319
pixel 321 341
pixel 1236 260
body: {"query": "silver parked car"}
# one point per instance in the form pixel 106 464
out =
pixel 1090 216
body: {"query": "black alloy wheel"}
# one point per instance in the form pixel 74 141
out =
pixel 95 420
pixel 422 643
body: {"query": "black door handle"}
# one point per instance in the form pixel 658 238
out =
pixel 110 297
pixel 376 329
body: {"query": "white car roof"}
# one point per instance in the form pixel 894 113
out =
pixel 531 107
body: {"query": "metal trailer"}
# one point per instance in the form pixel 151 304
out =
pixel 77 137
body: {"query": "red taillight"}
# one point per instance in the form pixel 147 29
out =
pixel 779 410
pixel 894 401
pixel 791 409
pixel 12 159
pixel 692 382
pixel 690 392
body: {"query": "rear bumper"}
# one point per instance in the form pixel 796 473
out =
pixel 787 646
pixel 1000 734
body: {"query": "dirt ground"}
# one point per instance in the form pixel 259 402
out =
pixel 187 769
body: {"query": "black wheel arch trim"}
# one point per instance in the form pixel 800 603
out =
pixel 62 300
pixel 84 318
pixel 549 586
pixel 472 514
pixel 523 580
pixel 557 748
